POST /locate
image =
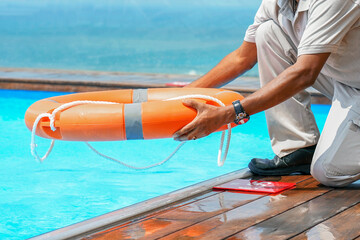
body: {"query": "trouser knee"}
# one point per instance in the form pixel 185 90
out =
pixel 320 171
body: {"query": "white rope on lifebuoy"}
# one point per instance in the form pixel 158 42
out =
pixel 33 144
pixel 51 117
pixel 134 167
pixel 52 125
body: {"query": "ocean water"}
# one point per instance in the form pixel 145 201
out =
pixel 75 184
pixel 157 36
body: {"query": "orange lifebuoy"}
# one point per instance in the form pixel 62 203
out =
pixel 138 114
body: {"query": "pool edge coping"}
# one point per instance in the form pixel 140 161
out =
pixel 62 80
pixel 122 215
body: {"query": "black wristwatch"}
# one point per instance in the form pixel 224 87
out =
pixel 241 116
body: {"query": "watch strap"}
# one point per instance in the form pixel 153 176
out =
pixel 241 116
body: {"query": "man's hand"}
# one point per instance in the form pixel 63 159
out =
pixel 209 119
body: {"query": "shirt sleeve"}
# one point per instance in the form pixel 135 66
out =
pixel 260 17
pixel 328 22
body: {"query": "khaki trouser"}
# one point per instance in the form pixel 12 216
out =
pixel 292 125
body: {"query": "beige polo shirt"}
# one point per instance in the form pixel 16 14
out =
pixel 319 26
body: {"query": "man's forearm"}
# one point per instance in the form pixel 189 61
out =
pixel 233 65
pixel 294 79
pixel 210 118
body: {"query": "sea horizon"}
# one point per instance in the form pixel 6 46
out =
pixel 136 36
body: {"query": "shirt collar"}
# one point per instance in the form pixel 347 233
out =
pixel 303 5
pixel 286 9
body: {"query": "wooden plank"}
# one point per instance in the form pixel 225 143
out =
pixel 303 217
pixel 178 218
pixel 345 225
pixel 154 214
pixel 240 218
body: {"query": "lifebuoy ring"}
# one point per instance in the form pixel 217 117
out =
pixel 137 114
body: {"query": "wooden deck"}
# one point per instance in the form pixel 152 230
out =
pixel 84 81
pixel 309 211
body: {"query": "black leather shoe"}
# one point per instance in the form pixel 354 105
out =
pixel 296 162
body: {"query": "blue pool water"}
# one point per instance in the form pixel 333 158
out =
pixel 161 36
pixel 74 184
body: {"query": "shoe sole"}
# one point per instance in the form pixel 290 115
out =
pixel 304 169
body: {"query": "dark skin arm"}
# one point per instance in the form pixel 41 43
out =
pixel 232 66
pixel 297 77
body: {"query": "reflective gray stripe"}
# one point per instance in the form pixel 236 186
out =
pixel 140 95
pixel 133 121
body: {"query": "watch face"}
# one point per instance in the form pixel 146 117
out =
pixel 241 118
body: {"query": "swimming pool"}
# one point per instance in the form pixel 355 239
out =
pixel 74 184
